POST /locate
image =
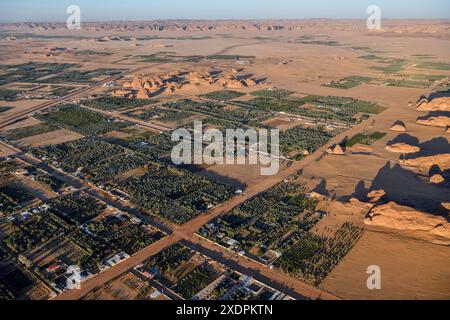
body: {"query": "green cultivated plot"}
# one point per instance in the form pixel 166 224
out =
pixel 9 95
pixel 88 77
pixel 77 208
pixel 115 103
pixel 31 71
pixel 160 114
pixel 83 121
pixel 4 109
pixel 110 236
pixel 299 139
pixel 414 81
pixel 349 82
pixel 223 95
pixel 175 194
pixel 97 160
pixel 313 257
pixel 25 132
pixel 366 139
pixel 394 66
pixel 194 282
pixel 271 220
pixel 39 229
pixel 272 94
pixel 433 65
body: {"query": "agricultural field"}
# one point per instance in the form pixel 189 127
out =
pixel 92 158
pixel 109 236
pixel 414 81
pixel 297 140
pixel 348 82
pixel 35 231
pixel 429 65
pixel 168 57
pixel 92 53
pixel 315 107
pixel 272 93
pixel 195 281
pixel 9 95
pixel 365 138
pixel 443 88
pixel 182 270
pixel 80 120
pixel 77 208
pixel 13 195
pixel 61 91
pixel 390 66
pixel 25 132
pixel 223 95
pixel 240 115
pixel 154 145
pixel 18 283
pixel 313 257
pixel 49 182
pixel 272 220
pixel 115 103
pixel 166 116
pixel 31 71
pixel 175 194
pixel 82 77
pixel 5 108
pixel 336 108
pixel 309 39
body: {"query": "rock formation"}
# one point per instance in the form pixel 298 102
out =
pixel 435 121
pixel 437 179
pixel 398 127
pixel 336 150
pixel 395 216
pixel 437 104
pixel 376 195
pixel 403 148
pixel 426 163
pixel 446 205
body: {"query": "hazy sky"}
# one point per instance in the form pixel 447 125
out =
pixel 104 10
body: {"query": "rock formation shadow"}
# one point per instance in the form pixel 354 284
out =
pixel 321 188
pixel 405 138
pixel 432 147
pixel 405 188
pixel 439 94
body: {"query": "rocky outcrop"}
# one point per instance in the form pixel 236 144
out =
pixel 140 86
pixel 446 205
pixel 336 150
pixel 398 127
pixel 440 160
pixel 437 104
pixel 403 148
pixel 435 121
pixel 437 179
pixel 394 216
pixel 376 195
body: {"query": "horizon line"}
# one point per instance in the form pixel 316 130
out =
pixel 230 19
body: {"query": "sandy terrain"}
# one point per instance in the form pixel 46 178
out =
pixel 410 269
pixel 54 137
